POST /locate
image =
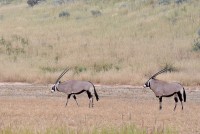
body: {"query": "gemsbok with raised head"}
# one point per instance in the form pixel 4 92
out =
pixel 74 87
pixel 166 89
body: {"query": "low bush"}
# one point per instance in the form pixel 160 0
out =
pixel 165 2
pixel 79 69
pixel 196 45
pixel 64 14
pixel 32 3
pixel 95 13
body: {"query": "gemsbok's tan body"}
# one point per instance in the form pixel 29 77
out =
pixel 166 89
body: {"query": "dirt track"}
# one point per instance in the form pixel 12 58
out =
pixel 122 91
pixel 29 105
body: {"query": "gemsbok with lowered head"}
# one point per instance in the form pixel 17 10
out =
pixel 74 87
pixel 166 89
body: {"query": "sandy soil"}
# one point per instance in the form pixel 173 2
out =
pixel 35 107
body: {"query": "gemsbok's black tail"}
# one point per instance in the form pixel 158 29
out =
pixel 95 92
pixel 184 95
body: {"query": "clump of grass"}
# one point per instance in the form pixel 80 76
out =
pixel 102 67
pixel 105 67
pixel 60 130
pixel 12 131
pixel 79 69
pixel 95 13
pixel 196 45
pixel 22 40
pixel 126 129
pixel 48 69
pixel 64 14
pixel 15 46
pixel 170 67
pixel 5 45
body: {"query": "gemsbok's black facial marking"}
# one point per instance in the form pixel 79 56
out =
pixel 147 84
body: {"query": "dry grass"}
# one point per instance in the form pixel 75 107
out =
pixel 40 114
pixel 122 46
pixel 30 109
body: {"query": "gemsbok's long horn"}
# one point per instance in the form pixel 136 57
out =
pixel 61 75
pixel 161 71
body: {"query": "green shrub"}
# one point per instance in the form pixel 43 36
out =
pixel 64 14
pixel 79 69
pixel 165 2
pixel 95 13
pixel 105 67
pixel 170 67
pixel 48 69
pixel 102 67
pixel 196 45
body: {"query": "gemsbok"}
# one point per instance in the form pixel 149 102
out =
pixel 166 89
pixel 74 87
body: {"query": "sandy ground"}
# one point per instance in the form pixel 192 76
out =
pixel 35 107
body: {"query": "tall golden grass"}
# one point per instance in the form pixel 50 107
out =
pixel 124 45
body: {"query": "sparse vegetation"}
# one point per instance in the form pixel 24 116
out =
pixel 32 109
pixel 129 40
pixel 64 14
pixel 106 42
pixel 79 69
pixel 196 45
pixel 102 67
pixel 172 1
pixel 32 3
pixel 95 13
pixel 170 67
pixel 129 129
pixel 13 48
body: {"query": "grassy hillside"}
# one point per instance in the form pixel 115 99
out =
pixel 109 42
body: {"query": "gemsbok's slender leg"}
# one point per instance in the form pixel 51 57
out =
pixel 176 101
pixel 75 100
pixel 160 101
pixel 68 97
pixel 180 98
